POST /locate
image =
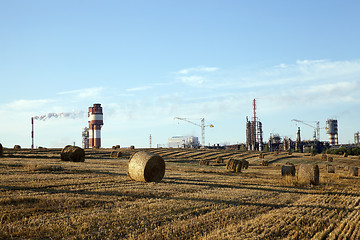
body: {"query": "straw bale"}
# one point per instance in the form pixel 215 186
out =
pixel 219 160
pixel 288 170
pixel 113 147
pixel 17 147
pixel 330 169
pixel 354 171
pixel 264 163
pixel 234 165
pixel 1 150
pixel 73 154
pixel 117 146
pixel 115 154
pixel 324 157
pixel 245 164
pixel 308 173
pixel 330 159
pixel 132 147
pixel 261 155
pixel 146 167
pixel 204 162
pixel 345 155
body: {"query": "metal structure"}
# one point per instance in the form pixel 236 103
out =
pixel 316 129
pixel 95 123
pixel 85 137
pixel 32 133
pixel 202 125
pixel 254 138
pixel 332 131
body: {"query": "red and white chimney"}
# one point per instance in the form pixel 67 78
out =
pixel 95 123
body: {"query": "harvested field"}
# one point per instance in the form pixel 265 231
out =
pixel 44 197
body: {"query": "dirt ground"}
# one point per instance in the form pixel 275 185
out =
pixel 43 197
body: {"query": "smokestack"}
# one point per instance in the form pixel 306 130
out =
pixel 332 131
pixel 32 133
pixel 95 124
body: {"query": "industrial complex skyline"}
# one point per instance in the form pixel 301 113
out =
pixel 147 62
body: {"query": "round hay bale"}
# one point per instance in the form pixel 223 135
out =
pixel 245 164
pixel 113 147
pixel 1 150
pixel 308 174
pixel 73 154
pixel 354 171
pixel 264 163
pixel 330 159
pixel 219 160
pixel 204 162
pixel 146 167
pixel 234 165
pixel 330 169
pixel 132 147
pixel 117 146
pixel 324 157
pixel 17 147
pixel 288 170
pixel 115 154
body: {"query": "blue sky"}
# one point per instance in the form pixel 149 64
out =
pixel 147 62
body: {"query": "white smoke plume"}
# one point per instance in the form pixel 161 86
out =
pixel 60 115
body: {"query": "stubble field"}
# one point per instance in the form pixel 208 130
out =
pixel 43 197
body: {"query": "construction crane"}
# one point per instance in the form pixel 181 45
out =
pixel 316 129
pixel 202 125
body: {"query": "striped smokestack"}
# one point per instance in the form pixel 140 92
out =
pixel 95 124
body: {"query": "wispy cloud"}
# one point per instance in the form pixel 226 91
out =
pixel 143 88
pixel 84 93
pixel 23 104
pixel 198 70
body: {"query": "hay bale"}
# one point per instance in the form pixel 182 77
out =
pixel 113 147
pixel 17 147
pixel 204 162
pixel 1 150
pixel 234 165
pixel 146 167
pixel 95 147
pixel 73 154
pixel 245 164
pixel 345 155
pixel 330 169
pixel 219 160
pixel 115 154
pixel 354 171
pixel 330 159
pixel 308 174
pixel 132 147
pixel 346 168
pixel 288 170
pixel 261 155
pixel 324 157
pixel 264 163
pixel 117 147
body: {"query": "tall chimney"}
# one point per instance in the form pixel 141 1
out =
pixel 95 123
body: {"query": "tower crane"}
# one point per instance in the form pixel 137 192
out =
pixel 202 125
pixel 316 129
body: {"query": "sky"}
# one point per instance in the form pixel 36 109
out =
pixel 147 62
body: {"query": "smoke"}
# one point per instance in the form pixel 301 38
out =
pixel 60 115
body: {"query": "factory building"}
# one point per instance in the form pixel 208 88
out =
pixel 183 142
pixel 95 123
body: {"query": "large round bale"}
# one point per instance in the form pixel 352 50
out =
pixel 115 154
pixel 234 165
pixel 330 159
pixel 330 169
pixel 146 167
pixel 288 170
pixel 354 171
pixel 324 157
pixel 308 174
pixel 17 147
pixel 204 162
pixel 1 150
pixel 117 146
pixel 73 154
pixel 132 147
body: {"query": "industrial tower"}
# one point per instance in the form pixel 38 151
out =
pixel 254 137
pixel 95 123
pixel 332 131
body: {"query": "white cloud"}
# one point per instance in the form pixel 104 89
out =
pixel 84 93
pixel 138 89
pixel 198 70
pixel 27 105
pixel 193 80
